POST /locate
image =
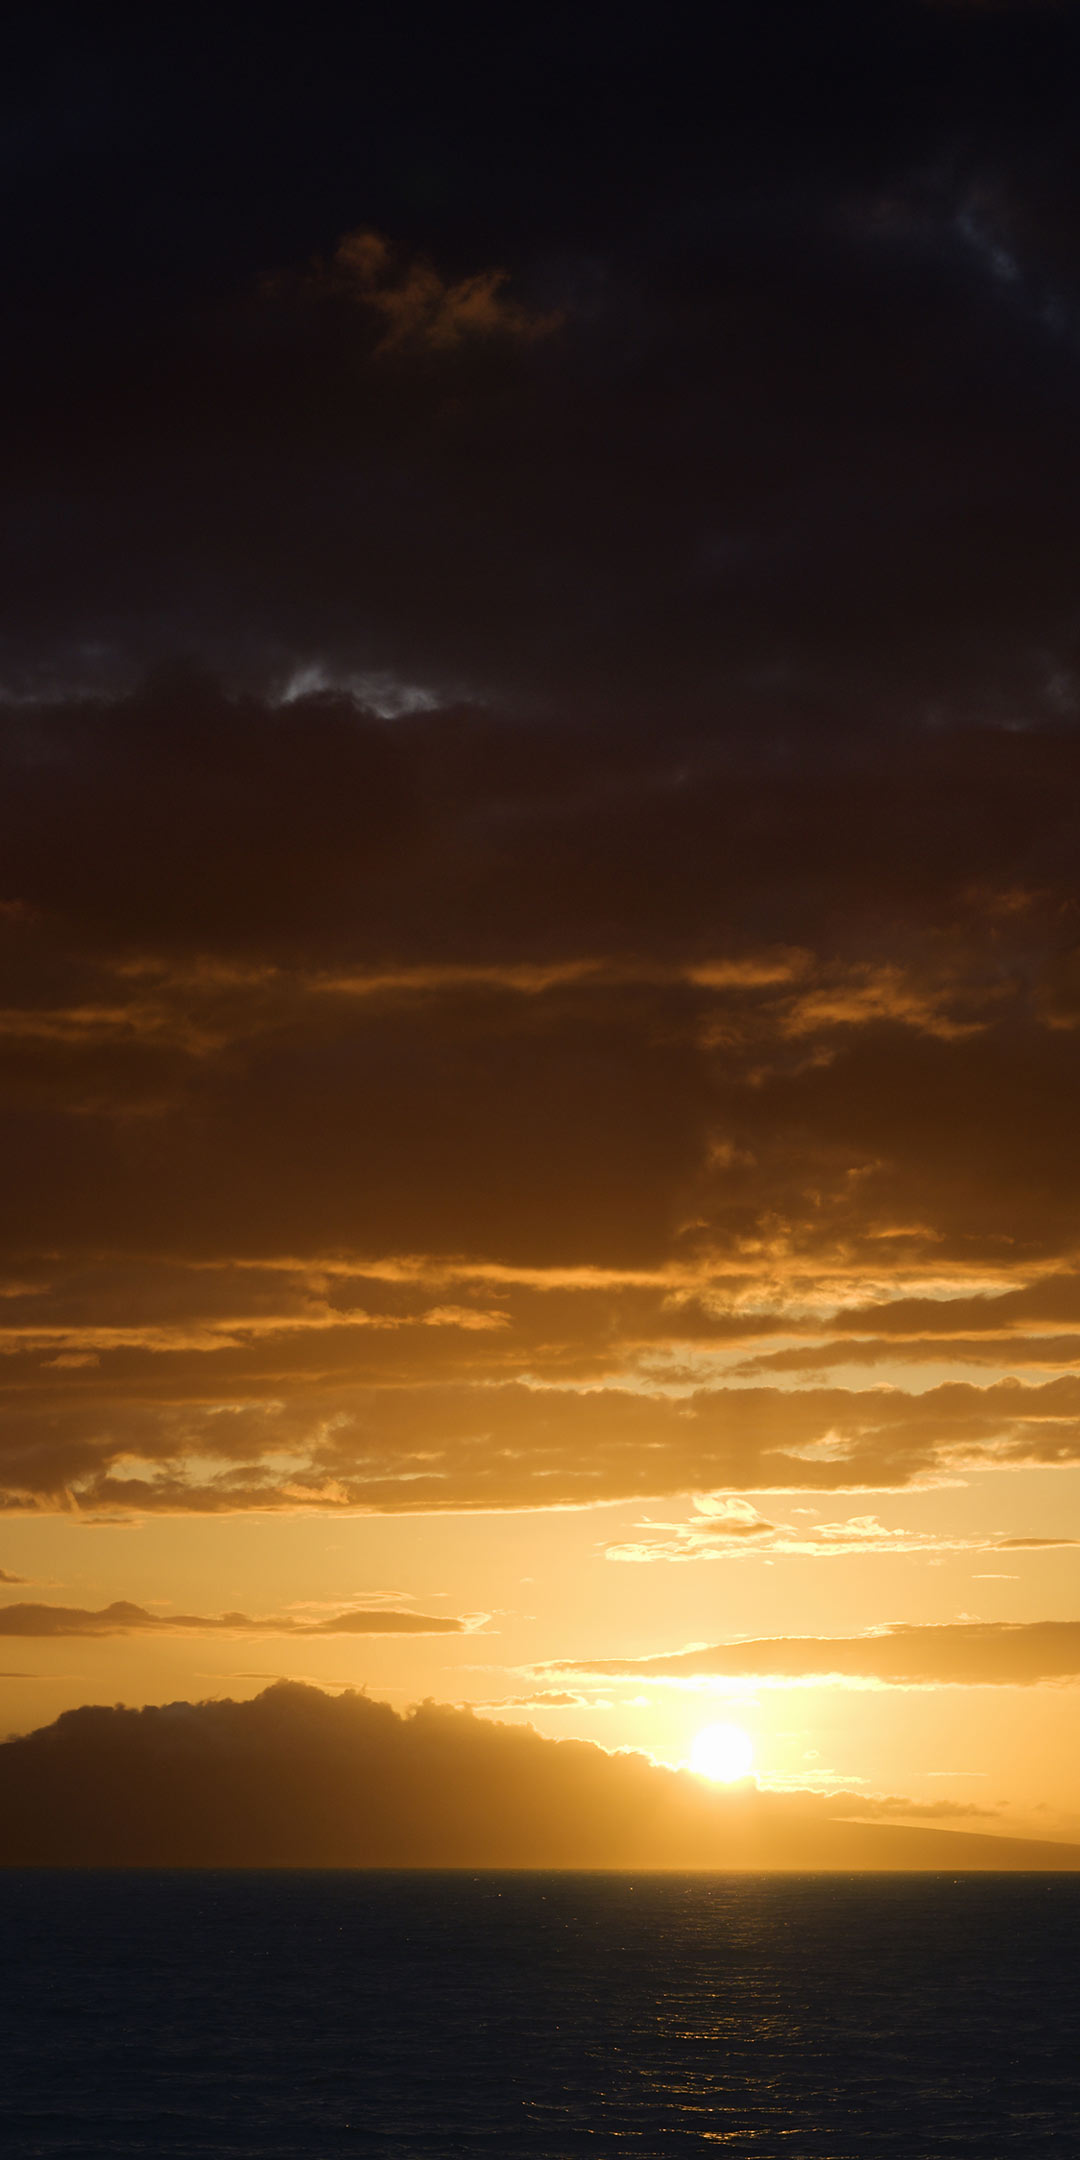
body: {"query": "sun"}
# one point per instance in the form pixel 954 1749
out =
pixel 722 1752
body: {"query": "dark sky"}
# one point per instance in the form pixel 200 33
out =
pixel 800 453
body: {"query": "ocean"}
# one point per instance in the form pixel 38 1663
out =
pixel 291 2015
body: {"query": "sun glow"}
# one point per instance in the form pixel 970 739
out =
pixel 722 1752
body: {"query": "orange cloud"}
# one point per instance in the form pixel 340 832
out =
pixel 407 1445
pixel 414 305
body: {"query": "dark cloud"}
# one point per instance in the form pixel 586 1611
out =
pixel 351 1071
pixel 894 1807
pixel 123 1618
pixel 10 1579
pixel 297 1779
pixel 974 1653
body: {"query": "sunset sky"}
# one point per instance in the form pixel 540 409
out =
pixel 539 842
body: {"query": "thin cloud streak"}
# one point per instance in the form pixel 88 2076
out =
pixel 123 1618
pixel 949 1654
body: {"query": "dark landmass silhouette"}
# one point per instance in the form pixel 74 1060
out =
pixel 297 1778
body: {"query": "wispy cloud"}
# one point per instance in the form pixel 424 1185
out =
pixel 122 1618
pixel 727 1528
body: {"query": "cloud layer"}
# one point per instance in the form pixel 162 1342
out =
pixel 361 1160
pixel 539 766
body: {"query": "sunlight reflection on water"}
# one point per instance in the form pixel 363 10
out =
pixel 292 2015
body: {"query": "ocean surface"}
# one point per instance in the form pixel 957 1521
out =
pixel 319 2014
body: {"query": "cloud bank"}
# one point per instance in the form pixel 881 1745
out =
pixel 354 1161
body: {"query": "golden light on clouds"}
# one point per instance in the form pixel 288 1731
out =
pixel 539 928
